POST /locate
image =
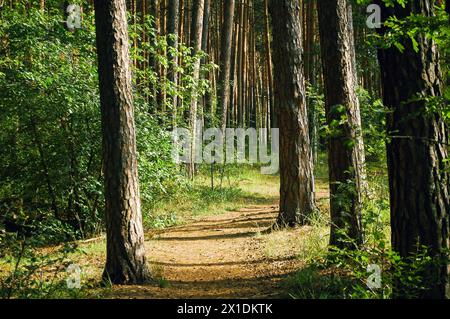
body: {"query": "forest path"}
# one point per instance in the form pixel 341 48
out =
pixel 223 256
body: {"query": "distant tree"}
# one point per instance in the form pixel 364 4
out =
pixel 125 260
pixel 173 30
pixel 296 165
pixel 196 44
pixel 225 60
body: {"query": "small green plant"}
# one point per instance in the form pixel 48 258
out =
pixel 26 272
pixel 162 221
pixel 353 273
pixel 158 275
pixel 313 282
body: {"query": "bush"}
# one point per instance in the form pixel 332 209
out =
pixel 347 273
pixel 26 272
pixel 51 160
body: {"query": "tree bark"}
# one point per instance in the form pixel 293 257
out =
pixel 172 29
pixel 418 144
pixel 196 38
pixel 296 167
pixel 267 43
pixel 125 258
pixel 225 60
pixel 345 145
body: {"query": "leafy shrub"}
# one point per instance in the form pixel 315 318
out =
pixel 26 272
pixel 51 160
pixel 344 273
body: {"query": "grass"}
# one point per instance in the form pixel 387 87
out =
pixel 329 276
pixel 312 282
pixel 240 188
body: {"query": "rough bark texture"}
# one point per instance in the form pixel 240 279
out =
pixel 225 60
pixel 419 184
pixel 296 167
pixel 345 145
pixel 125 261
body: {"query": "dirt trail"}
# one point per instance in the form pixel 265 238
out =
pixel 216 257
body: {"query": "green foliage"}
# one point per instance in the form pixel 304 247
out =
pixel 373 117
pixel 51 161
pixel 405 277
pixel 27 273
pixel 51 123
pixel 344 273
pixel 312 282
pixel 151 86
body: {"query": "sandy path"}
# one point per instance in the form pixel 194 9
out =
pixel 216 257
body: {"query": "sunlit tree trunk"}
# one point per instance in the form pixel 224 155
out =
pixel 125 256
pixel 173 29
pixel 197 32
pixel 296 167
pixel 225 61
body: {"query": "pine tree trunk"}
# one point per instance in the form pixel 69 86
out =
pixel 345 146
pixel 419 182
pixel 296 167
pixel 172 29
pixel 197 32
pixel 207 98
pixel 125 260
pixel 152 61
pixel 225 61
pixel 270 93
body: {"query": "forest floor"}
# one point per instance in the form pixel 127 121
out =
pixel 214 245
pixel 226 255
pixel 222 256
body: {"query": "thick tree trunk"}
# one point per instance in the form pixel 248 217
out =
pixel 345 146
pixel 296 167
pixel 310 14
pixel 225 61
pixel 125 260
pixel 418 180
